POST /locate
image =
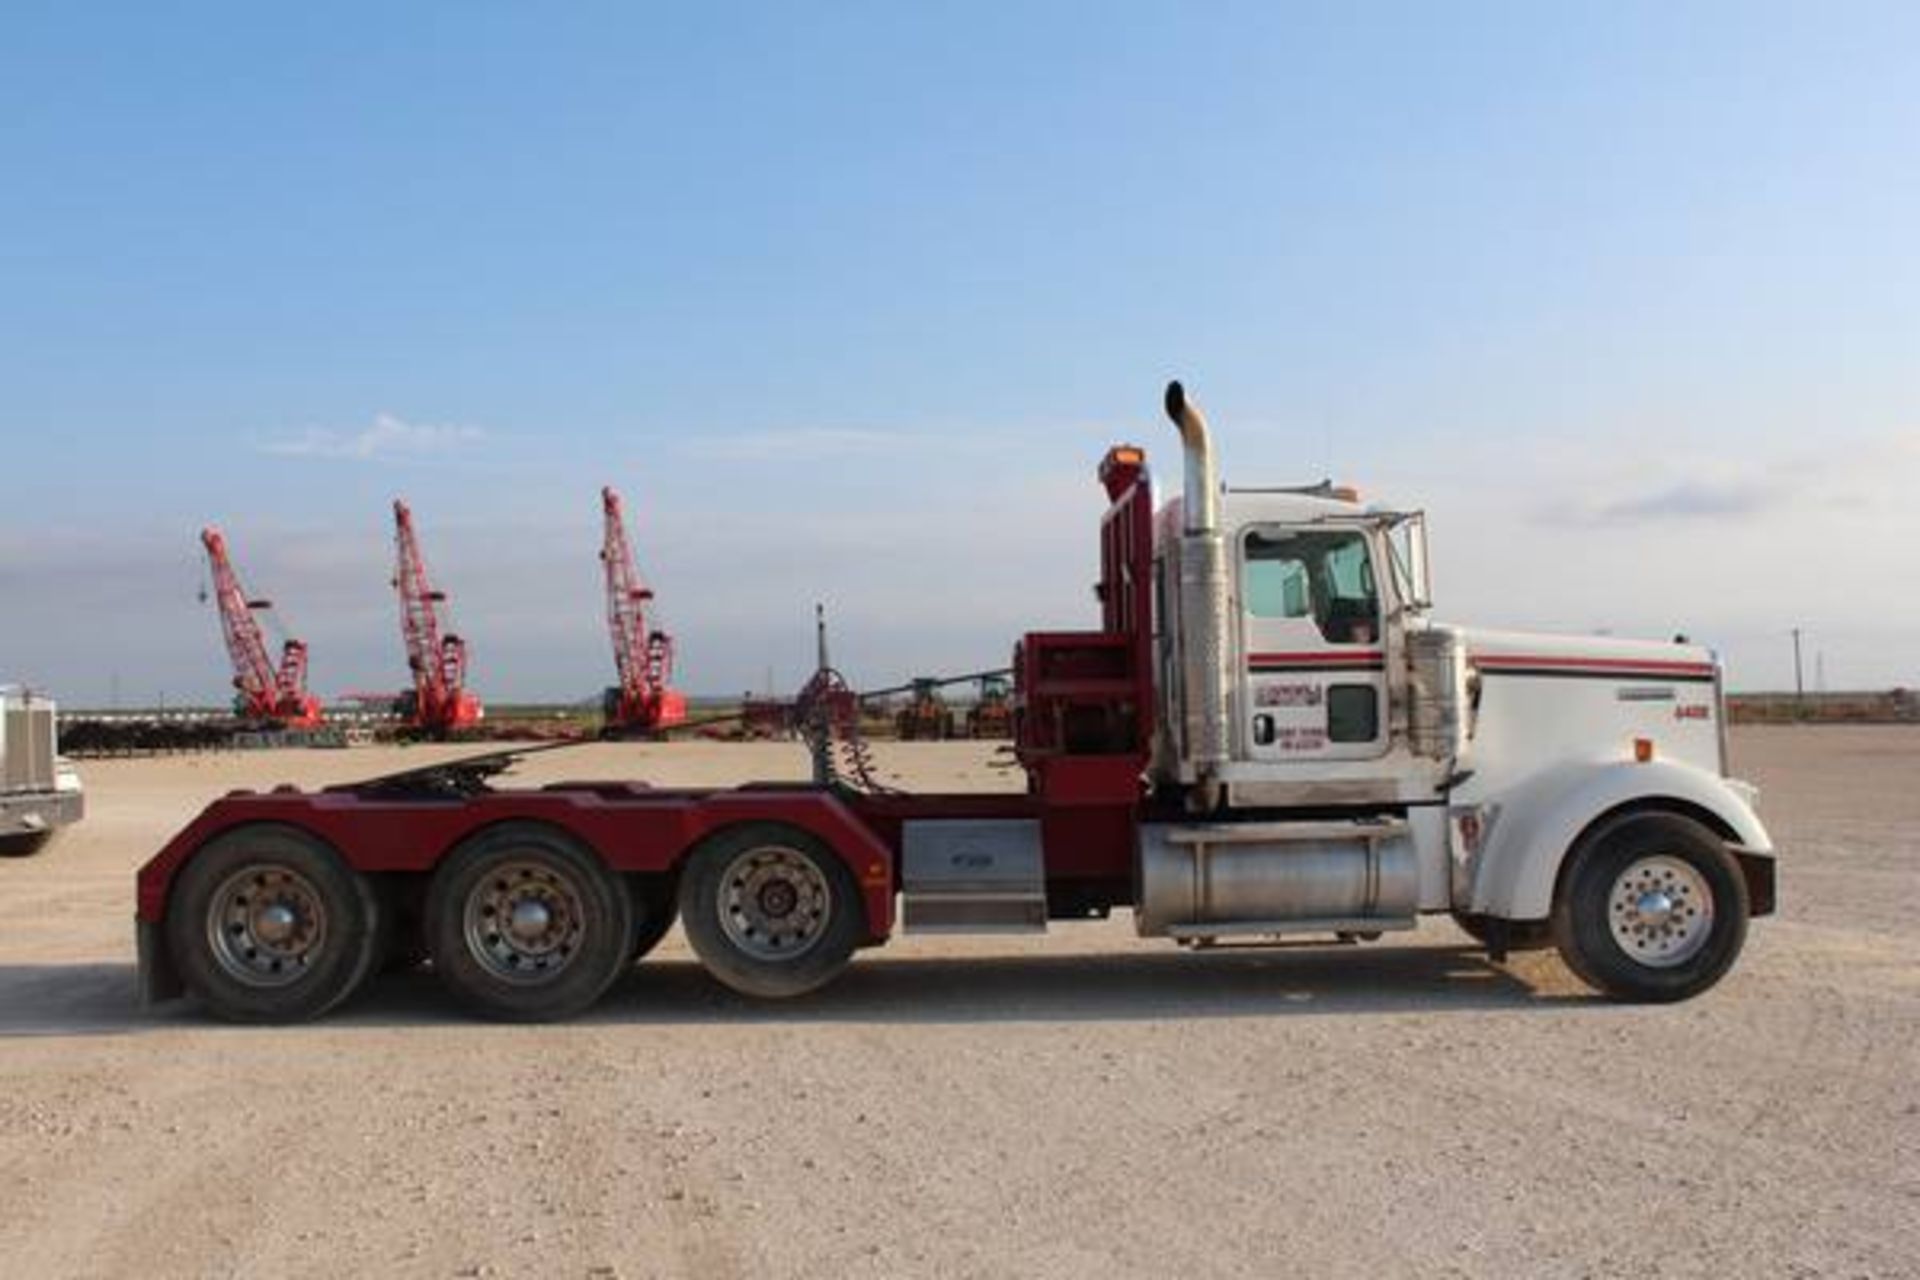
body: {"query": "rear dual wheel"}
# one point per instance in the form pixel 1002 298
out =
pixel 770 910
pixel 527 925
pixel 267 923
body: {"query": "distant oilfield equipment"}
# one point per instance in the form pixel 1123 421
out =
pixel 644 702
pixel 265 694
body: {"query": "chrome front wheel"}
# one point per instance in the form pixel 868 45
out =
pixel 1652 906
pixel 1660 910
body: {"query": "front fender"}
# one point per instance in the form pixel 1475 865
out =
pixel 1538 822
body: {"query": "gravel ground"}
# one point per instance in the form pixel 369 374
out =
pixel 1076 1105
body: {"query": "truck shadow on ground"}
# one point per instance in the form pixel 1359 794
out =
pixel 1118 986
pixel 100 999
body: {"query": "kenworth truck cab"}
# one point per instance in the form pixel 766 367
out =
pixel 1498 776
pixel 1268 735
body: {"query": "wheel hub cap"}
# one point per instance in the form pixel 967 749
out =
pixel 1660 911
pixel 525 920
pixel 266 925
pixel 777 898
pixel 530 919
pixel 275 923
pixel 774 903
pixel 1655 909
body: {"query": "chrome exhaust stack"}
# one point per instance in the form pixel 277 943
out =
pixel 1203 608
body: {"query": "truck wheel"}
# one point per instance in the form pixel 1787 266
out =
pixel 1652 907
pixel 654 911
pixel 1522 935
pixel 526 925
pixel 266 923
pixel 770 911
pixel 24 844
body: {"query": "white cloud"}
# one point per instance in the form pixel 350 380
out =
pixel 387 437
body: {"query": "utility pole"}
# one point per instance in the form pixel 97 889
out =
pixel 1799 682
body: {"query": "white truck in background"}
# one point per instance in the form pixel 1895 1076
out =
pixel 40 791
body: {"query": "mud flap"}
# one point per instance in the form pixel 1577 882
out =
pixel 1758 870
pixel 158 980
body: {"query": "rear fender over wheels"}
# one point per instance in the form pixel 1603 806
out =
pixel 823 818
pixel 267 923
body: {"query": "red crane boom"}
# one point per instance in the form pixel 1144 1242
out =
pixel 439 700
pixel 262 692
pixel 643 702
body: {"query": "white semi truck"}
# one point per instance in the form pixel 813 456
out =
pixel 40 791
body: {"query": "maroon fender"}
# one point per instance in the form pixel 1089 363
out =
pixel 634 828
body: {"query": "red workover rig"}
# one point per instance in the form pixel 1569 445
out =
pixel 263 693
pixel 439 701
pixel 642 703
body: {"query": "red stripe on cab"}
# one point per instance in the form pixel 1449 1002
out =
pixel 1496 661
pixel 1318 658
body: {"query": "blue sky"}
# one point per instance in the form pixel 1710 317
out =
pixel 847 299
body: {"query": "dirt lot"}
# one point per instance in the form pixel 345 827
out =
pixel 1084 1104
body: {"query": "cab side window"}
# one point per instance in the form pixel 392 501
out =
pixel 1323 574
pixel 1275 582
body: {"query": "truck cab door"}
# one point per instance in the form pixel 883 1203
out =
pixel 1312 665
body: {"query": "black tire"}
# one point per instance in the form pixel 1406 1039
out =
pixel 655 908
pixel 1522 935
pixel 575 942
pixel 822 906
pixel 24 844
pixel 1675 861
pixel 232 955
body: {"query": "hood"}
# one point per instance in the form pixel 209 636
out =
pixel 1547 651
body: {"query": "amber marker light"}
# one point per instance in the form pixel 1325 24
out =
pixel 1642 750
